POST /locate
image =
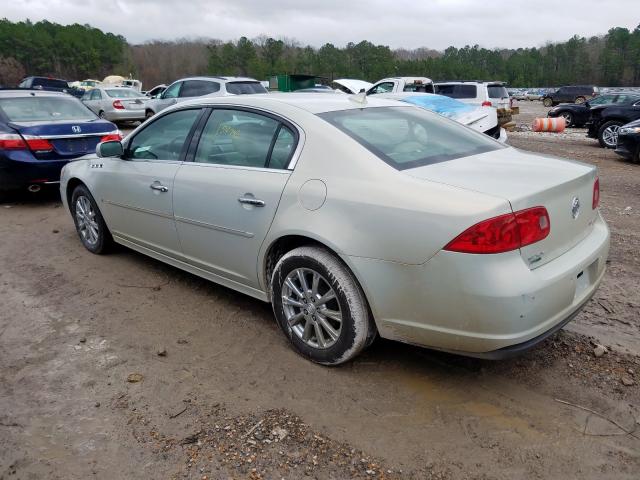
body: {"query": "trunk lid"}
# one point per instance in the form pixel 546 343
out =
pixel 528 180
pixel 69 139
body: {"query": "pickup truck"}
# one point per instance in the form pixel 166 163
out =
pixel 402 84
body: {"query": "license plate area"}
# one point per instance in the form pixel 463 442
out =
pixel 585 279
pixel 75 145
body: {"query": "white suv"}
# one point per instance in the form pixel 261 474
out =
pixel 191 87
pixel 485 94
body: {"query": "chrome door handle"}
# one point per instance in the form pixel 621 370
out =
pixel 160 188
pixel 251 201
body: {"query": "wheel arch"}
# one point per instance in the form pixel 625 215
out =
pixel 72 184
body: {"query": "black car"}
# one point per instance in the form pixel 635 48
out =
pixel 607 119
pixel 578 114
pixel 629 141
pixel 570 94
pixel 50 84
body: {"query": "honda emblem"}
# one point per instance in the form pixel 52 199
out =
pixel 76 129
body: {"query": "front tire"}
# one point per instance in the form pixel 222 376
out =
pixel 568 118
pixel 547 102
pixel 90 225
pixel 320 306
pixel 608 134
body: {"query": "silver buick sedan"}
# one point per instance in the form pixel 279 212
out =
pixel 354 218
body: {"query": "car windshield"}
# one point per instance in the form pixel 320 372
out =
pixel 40 109
pixel 408 137
pixel 602 100
pixel 123 93
pixel 497 91
pixel 242 88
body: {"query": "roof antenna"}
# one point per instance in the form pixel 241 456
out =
pixel 360 98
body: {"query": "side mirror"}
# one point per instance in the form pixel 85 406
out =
pixel 112 148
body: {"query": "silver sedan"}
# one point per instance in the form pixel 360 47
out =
pixel 355 217
pixel 116 104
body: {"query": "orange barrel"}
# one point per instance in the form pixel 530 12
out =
pixel 556 125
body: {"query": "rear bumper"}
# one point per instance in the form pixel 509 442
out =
pixel 16 174
pixel 125 115
pixel 482 305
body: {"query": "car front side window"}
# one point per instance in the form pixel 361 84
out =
pixel 172 91
pixel 385 87
pixel 164 138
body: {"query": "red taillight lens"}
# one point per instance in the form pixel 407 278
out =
pixel 117 104
pixel 504 233
pixel 12 141
pixel 109 137
pixel 596 194
pixel 486 104
pixel 36 144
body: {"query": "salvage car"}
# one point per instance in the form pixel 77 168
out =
pixel 481 119
pixel 485 94
pixel 117 104
pixel 605 120
pixel 355 217
pixel 628 144
pixel 351 85
pixel 40 132
pixel 578 114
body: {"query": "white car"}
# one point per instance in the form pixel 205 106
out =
pixel 481 119
pixel 351 85
pixel 485 94
pixel 402 84
pixel 354 217
pixel 188 88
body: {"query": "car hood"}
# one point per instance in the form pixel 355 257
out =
pixel 635 123
pixel 354 85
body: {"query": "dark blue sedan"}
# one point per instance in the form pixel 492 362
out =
pixel 40 132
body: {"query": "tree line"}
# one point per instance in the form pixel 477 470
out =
pixel 81 51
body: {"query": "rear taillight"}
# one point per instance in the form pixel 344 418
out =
pixel 109 137
pixel 117 104
pixel 595 202
pixel 504 233
pixel 36 144
pixel 487 104
pixel 12 141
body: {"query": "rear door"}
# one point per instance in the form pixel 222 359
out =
pixel 135 192
pixel 226 198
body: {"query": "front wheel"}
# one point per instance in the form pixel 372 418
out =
pixel 568 118
pixel 547 102
pixel 580 100
pixel 148 114
pixel 608 134
pixel 320 306
pixel 90 225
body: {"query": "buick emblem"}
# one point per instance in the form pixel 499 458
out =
pixel 575 207
pixel 76 129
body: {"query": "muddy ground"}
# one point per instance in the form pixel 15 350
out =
pixel 118 366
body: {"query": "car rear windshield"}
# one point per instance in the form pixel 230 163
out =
pixel 242 88
pixel 49 82
pixel 497 91
pixel 123 93
pixel 457 91
pixel 409 137
pixel 42 109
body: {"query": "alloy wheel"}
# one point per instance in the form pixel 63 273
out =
pixel 610 135
pixel 568 118
pixel 311 308
pixel 86 220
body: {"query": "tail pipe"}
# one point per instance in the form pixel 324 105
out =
pixel 34 188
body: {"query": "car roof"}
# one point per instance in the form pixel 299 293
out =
pixel 218 78
pixel 29 92
pixel 311 102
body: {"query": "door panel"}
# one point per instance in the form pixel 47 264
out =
pixel 218 232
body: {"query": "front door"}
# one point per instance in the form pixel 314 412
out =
pixel 226 198
pixel 135 192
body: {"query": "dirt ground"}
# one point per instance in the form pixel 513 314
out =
pixel 118 367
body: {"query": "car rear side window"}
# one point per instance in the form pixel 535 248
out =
pixel 408 137
pixel 236 137
pixel 243 88
pixel 198 88
pixel 163 139
pixel 457 91
pixel 497 91
pixel 44 108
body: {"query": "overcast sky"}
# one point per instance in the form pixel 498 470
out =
pixel 398 23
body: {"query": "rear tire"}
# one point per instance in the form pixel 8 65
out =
pixel 608 134
pixel 568 118
pixel 329 332
pixel 92 230
pixel 580 100
pixel 547 102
